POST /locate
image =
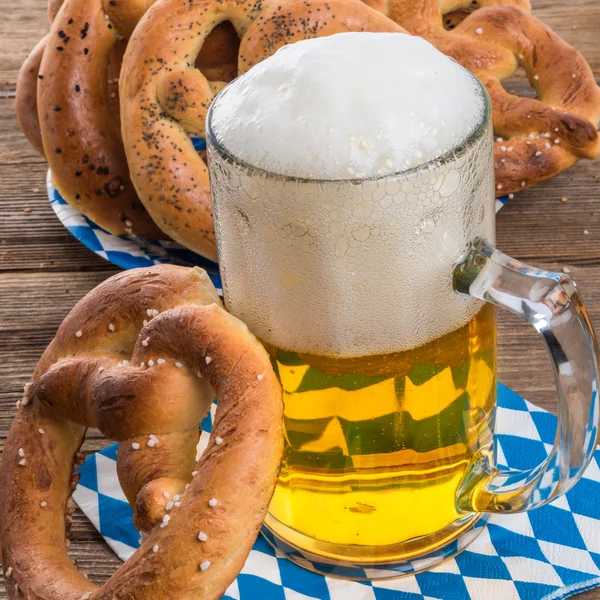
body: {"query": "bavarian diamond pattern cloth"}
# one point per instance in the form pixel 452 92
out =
pixel 549 553
pixel 130 253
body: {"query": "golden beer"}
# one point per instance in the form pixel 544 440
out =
pixel 377 446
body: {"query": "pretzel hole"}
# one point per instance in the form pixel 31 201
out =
pixel 518 85
pixel 455 17
pixel 218 57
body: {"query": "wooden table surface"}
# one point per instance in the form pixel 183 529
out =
pixel 44 270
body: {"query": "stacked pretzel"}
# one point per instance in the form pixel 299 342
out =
pixel 182 52
pixel 138 358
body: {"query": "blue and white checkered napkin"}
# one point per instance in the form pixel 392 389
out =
pixel 549 553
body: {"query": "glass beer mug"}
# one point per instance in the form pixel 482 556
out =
pixel 376 299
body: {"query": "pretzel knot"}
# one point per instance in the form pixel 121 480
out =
pixel 164 98
pixel 538 138
pixel 138 358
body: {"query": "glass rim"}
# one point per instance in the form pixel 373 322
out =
pixel 451 154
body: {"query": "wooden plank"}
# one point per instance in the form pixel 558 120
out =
pixel 23 25
pixel 14 147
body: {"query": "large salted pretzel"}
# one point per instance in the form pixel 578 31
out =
pixel 164 98
pixel 137 359
pixel 538 138
pixel 68 106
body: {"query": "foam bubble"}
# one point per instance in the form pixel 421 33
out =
pixel 352 105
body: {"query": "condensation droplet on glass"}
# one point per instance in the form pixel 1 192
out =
pixel 379 194
pixel 336 229
pixel 480 214
pixel 407 187
pixel 252 190
pixel 376 214
pixel 363 211
pixel 387 201
pixel 427 225
pixel 392 187
pixel 288 281
pixel 299 229
pixel 362 234
pixel 339 215
pixel 340 247
pixel 283 218
pixel 266 233
pixel 451 183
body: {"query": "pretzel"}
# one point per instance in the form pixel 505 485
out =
pixel 164 98
pixel 538 138
pixel 201 518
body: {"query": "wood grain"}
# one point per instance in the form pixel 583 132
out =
pixel 44 270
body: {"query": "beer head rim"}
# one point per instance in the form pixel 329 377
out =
pixel 213 144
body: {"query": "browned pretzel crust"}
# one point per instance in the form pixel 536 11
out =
pixel 80 106
pixel 539 137
pixel 136 358
pixel 164 98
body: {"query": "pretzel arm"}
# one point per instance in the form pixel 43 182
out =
pixel 512 111
pixel 567 84
pixel 523 162
pixel 35 504
pixel 185 96
pixel 152 477
pixel 126 15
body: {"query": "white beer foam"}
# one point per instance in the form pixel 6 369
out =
pixel 352 105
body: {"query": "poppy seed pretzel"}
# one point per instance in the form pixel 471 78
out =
pixel 136 358
pixel 539 137
pixel 164 98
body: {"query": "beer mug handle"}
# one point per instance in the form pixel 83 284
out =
pixel 551 303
